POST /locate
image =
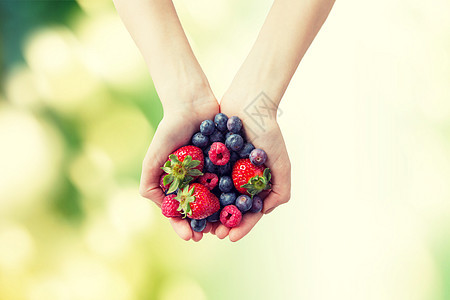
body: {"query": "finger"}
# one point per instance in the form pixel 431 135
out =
pixel 207 228
pixel 248 222
pixel 222 231
pixel 155 194
pixel 281 187
pixel 182 228
pixel 214 227
pixel 274 199
pixel 197 236
pixel 162 145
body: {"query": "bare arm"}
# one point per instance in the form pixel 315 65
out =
pixel 181 85
pixel 288 31
pixel 157 31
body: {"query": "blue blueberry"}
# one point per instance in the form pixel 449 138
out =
pixel 245 151
pixel 220 120
pixel 258 157
pixel 207 127
pixel 227 199
pixel 228 134
pixel 216 192
pixel 257 204
pixel 200 140
pixel 234 124
pixel 234 157
pixel 209 166
pixel 243 203
pixel 225 169
pixel 234 142
pixel 214 217
pixel 216 136
pixel 206 150
pixel 198 225
pixel 225 184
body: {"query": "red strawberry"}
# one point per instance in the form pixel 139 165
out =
pixel 195 152
pixel 250 179
pixel 197 202
pixel 184 165
pixel 169 206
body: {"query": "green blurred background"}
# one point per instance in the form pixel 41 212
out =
pixel 366 120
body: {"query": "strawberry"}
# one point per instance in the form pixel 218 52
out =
pixel 197 202
pixel 250 179
pixel 184 165
pixel 169 206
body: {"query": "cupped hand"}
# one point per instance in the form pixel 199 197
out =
pixel 266 136
pixel 175 130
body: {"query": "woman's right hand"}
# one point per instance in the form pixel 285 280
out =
pixel 181 120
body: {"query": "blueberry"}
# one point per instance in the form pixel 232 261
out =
pixel 227 198
pixel 234 142
pixel 216 136
pixel 258 157
pixel 217 192
pixel 214 217
pixel 243 202
pixel 200 140
pixel 245 151
pixel 234 124
pixel 220 120
pixel 228 134
pixel 206 150
pixel 198 225
pixel 234 157
pixel 257 204
pixel 207 127
pixel 225 169
pixel 225 184
pixel 209 166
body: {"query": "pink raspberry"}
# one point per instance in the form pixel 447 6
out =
pixel 219 154
pixel 161 183
pixel 169 206
pixel 230 216
pixel 210 180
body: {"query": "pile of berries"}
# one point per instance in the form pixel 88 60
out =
pixel 217 177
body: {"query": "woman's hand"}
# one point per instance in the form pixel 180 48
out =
pixel 269 138
pixel 181 120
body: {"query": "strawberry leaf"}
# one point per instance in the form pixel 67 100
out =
pixel 168 170
pixel 174 159
pixel 173 187
pixel 193 164
pixel 267 174
pixel 187 160
pixel 194 172
pixel 168 179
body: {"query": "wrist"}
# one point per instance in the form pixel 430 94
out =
pixel 252 99
pixel 191 101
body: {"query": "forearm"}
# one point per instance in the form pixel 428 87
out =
pixel 288 31
pixel 157 31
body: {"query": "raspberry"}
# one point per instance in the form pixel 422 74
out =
pixel 219 154
pixel 169 206
pixel 230 216
pixel 209 180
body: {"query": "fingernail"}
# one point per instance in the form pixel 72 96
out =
pixel 270 210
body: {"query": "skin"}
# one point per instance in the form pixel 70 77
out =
pixel 288 31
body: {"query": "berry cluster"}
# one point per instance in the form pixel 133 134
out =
pixel 217 177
